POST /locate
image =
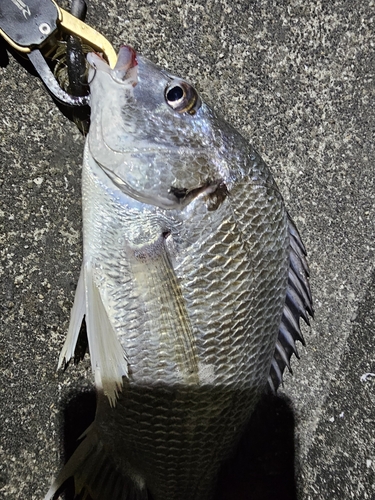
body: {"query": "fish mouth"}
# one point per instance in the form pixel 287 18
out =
pixel 126 69
pixel 97 62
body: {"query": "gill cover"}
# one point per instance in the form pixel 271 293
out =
pixel 151 134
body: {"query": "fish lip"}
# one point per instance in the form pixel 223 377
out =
pixel 97 61
pixel 126 70
pixel 127 58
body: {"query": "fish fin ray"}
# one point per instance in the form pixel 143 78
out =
pixel 76 316
pixel 298 304
pixel 156 278
pixel 95 475
pixel 178 322
pixel 108 359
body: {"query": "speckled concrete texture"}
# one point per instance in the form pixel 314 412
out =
pixel 297 79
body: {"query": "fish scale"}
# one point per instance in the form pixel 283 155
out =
pixel 172 462
pixel 190 302
pixel 164 443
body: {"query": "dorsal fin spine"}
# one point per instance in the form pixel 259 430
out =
pixel 298 304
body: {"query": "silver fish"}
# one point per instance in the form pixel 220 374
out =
pixel 193 283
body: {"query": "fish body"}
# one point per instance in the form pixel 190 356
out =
pixel 184 286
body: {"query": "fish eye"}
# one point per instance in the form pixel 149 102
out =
pixel 182 97
pixel 174 94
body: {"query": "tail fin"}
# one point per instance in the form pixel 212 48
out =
pixel 95 475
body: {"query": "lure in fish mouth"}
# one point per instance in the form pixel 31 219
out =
pixel 193 283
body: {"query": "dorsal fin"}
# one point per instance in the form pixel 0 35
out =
pixel 298 304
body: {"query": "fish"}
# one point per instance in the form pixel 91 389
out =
pixel 193 283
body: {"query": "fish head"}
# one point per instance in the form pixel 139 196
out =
pixel 152 134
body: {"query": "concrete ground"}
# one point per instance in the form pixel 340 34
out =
pixel 297 79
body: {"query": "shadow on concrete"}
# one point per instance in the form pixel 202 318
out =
pixel 262 467
pixel 78 414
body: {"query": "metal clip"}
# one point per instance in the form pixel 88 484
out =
pixel 34 27
pixel 76 27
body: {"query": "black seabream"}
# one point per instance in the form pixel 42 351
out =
pixel 192 285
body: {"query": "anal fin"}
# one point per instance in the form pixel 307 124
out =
pixel 95 475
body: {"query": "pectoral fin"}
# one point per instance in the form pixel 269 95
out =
pixel 165 308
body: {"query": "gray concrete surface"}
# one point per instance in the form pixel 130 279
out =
pixel 297 78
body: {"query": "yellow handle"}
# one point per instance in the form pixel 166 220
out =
pixel 74 26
